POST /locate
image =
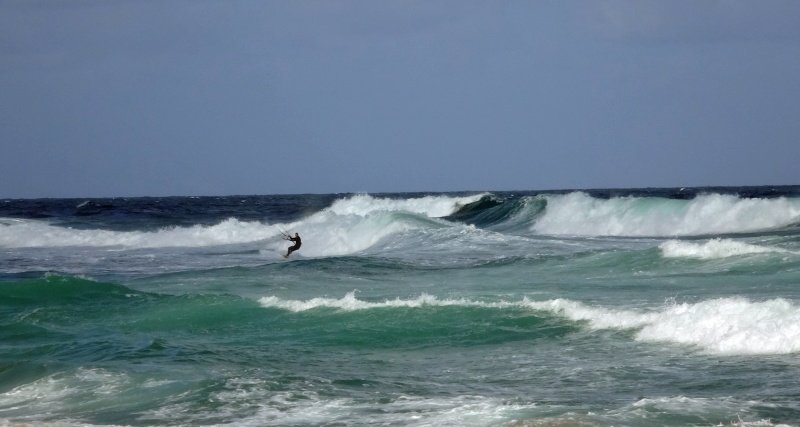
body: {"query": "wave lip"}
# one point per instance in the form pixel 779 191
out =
pixel 714 249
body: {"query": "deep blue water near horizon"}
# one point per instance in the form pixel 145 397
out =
pixel 639 307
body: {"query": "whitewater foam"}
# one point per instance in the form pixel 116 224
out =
pixel 722 326
pixel 309 408
pixel 702 407
pixel 33 233
pixel 51 394
pixel 582 215
pixel 713 249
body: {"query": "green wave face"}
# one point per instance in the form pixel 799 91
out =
pixel 62 306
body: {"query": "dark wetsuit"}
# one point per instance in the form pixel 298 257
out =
pixel 296 244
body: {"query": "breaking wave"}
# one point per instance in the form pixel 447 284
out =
pixel 359 222
pixel 349 225
pixel 580 214
pixel 723 326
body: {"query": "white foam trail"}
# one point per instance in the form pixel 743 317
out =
pixel 722 326
pixel 580 214
pixel 713 249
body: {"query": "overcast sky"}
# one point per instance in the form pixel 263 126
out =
pixel 135 98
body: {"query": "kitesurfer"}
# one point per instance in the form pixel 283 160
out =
pixel 295 246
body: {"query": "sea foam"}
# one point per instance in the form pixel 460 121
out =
pixel 714 248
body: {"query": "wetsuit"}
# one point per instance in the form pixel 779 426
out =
pixel 296 244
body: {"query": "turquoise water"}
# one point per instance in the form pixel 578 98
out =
pixel 641 308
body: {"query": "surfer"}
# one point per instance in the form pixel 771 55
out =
pixel 295 246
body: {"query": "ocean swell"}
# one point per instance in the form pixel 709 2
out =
pixel 722 326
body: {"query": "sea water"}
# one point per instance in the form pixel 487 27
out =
pixel 648 307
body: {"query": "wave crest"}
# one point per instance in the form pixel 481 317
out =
pixel 580 214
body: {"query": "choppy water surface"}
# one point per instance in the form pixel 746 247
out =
pixel 625 307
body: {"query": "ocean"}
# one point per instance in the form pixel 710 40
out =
pixel 624 307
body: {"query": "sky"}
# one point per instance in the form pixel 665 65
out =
pixel 102 98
